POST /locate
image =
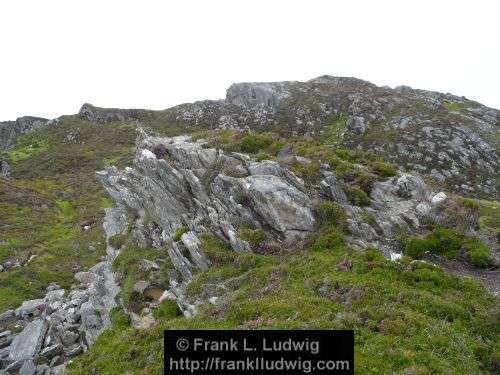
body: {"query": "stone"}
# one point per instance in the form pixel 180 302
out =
pixel 57 360
pixel 28 343
pixel 68 338
pixel 141 286
pixel 7 315
pixel 146 265
pixel 438 198
pixel 334 189
pixel 28 368
pixel 42 369
pixel 59 370
pixel 73 351
pixel 86 277
pixel 29 307
pixel 14 366
pixel 52 351
pixel 282 206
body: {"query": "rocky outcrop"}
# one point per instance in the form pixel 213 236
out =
pixel 63 324
pixel 449 138
pixel 104 115
pixel 11 130
pixel 179 183
pixel 207 190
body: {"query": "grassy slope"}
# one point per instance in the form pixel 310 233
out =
pixel 52 191
pixel 407 316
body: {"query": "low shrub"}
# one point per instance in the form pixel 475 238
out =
pixel 328 240
pixel 118 240
pixel 357 196
pixel 384 169
pixel 253 143
pixel 331 213
pixel 479 254
pixel 167 309
pixel 253 236
pixel 179 232
pixel 217 250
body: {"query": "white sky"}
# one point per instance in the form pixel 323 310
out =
pixel 56 55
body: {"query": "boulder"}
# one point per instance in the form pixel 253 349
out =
pixel 29 341
pixel 29 307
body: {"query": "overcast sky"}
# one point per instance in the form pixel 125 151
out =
pixel 56 55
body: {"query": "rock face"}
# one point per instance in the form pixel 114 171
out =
pixel 11 130
pixel 207 190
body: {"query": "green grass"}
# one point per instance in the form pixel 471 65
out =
pixel 52 191
pixel 451 244
pixel 331 213
pixel 179 232
pixel 253 236
pixel 454 106
pixel 335 131
pixel 357 196
pixel 405 316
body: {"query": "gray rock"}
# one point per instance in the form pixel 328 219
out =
pixel 14 366
pixel 86 277
pixel 11 130
pixel 253 94
pixel 282 206
pixel 29 307
pixel 58 370
pixel 28 368
pixel 141 286
pixel 52 351
pixel 334 189
pixel 56 361
pixel 69 338
pixel 42 370
pixel 7 315
pixel 73 351
pixel 146 265
pixel 29 341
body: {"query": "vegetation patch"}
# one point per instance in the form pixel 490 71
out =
pixel 406 316
pixel 179 232
pixel 253 236
pixel 357 196
pixel 331 213
pixel 449 243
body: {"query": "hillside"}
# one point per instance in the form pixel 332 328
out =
pixel 331 203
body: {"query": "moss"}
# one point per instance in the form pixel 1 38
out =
pixel 216 250
pixel 331 213
pixel 179 232
pixel 242 198
pixel 479 254
pixel 118 240
pixel 167 309
pixel 264 156
pixel 253 143
pixel 357 196
pixel 309 172
pixel 384 169
pixel 253 236
pixel 330 239
pixel 454 106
